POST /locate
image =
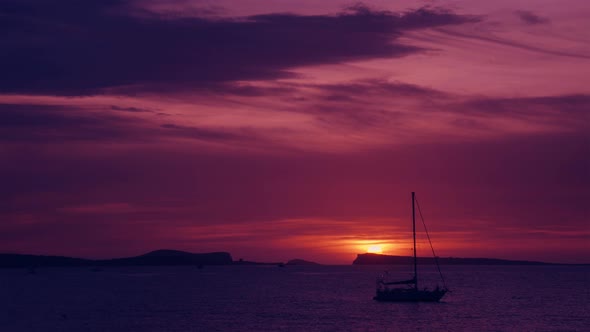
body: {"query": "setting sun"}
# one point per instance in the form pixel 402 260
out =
pixel 375 249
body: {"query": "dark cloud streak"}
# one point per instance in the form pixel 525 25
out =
pixel 572 111
pixel 65 124
pixel 511 43
pixel 39 124
pixel 130 109
pixel 531 18
pixel 204 134
pixel 68 48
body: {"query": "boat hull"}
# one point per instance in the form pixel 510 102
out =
pixel 405 295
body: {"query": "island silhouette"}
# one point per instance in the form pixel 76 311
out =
pixel 378 259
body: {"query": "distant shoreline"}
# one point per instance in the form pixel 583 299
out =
pixel 182 258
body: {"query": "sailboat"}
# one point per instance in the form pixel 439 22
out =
pixel 407 290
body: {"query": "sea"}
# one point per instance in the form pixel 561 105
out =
pixel 290 298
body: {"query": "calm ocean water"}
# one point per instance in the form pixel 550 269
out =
pixel 294 298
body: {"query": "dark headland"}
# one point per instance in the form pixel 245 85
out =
pixel 377 259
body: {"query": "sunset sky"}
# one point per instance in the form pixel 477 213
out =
pixel 295 128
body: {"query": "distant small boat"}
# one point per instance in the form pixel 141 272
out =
pixel 394 291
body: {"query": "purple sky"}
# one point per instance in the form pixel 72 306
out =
pixel 295 129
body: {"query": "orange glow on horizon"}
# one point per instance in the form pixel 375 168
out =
pixel 381 247
pixel 375 249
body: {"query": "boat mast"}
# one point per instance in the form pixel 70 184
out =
pixel 414 231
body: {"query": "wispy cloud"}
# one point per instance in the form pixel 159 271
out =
pixel 351 116
pixel 490 38
pixel 130 109
pixel 61 123
pixel 208 134
pixel 531 18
